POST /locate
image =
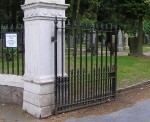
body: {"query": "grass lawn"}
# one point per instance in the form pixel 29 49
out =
pixel 132 70
pixel 146 48
pixel 8 66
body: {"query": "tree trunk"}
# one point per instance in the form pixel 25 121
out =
pixel 74 12
pixel 140 37
pixel 13 19
pixel 78 8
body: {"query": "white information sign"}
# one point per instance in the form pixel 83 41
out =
pixel 11 39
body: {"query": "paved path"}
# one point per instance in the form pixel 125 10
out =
pixel 126 53
pixel 147 53
pixel 14 113
pixel 139 112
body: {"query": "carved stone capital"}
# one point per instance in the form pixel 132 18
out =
pixel 46 1
pixel 43 10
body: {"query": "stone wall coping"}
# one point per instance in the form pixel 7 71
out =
pixel 11 80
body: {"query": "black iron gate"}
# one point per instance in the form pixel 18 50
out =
pixel 88 71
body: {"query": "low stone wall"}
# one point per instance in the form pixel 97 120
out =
pixel 11 89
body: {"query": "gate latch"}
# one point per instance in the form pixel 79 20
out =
pixel 52 38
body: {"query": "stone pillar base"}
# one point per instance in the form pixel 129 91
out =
pixel 38 99
pixel 120 49
pixel 126 48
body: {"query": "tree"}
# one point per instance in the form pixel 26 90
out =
pixel 10 12
pixel 82 9
pixel 135 10
pixel 107 11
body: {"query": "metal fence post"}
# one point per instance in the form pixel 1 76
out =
pixel 55 61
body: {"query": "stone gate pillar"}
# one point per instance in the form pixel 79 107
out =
pixel 38 98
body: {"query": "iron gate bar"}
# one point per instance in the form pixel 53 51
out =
pixel 23 49
pixel 96 58
pixel 101 63
pixel 18 37
pixel 75 54
pixel 12 52
pixel 80 73
pixel 81 88
pixel 7 64
pixel 68 65
pixel 115 65
pixel 3 53
pixel 62 43
pixel 87 91
pixel 91 41
pixel 55 65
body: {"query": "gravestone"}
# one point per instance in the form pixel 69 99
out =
pixel 102 39
pixel 89 41
pixel 145 39
pixel 0 48
pixel 84 37
pixel 120 43
pixel 86 40
pixel 113 45
pixel 126 45
pixel 71 41
pixel 123 38
pixel 113 39
pixel 94 43
pixel 136 35
pixel 132 45
pixel 94 37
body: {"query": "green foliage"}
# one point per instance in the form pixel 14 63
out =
pixel 133 8
pixel 87 22
pixel 89 9
pixel 131 26
pixel 82 10
pixel 9 53
pixel 146 27
pixel 107 11
pixel 10 12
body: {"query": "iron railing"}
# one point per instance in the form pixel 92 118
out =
pixel 12 58
pixel 90 58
